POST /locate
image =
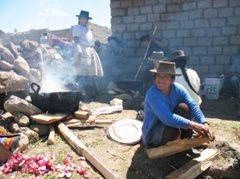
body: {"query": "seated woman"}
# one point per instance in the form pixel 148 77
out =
pixel 11 143
pixel 168 110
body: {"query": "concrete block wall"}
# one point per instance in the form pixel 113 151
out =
pixel 208 30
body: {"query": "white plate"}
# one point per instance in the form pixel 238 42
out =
pixel 126 131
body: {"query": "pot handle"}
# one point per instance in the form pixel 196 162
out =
pixel 35 87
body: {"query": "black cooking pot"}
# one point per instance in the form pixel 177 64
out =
pixel 55 102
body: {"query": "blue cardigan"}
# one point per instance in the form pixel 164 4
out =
pixel 158 107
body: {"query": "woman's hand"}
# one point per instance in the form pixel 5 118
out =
pixel 202 129
pixel 210 132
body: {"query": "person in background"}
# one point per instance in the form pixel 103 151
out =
pixel 235 75
pixel 161 122
pixel 86 61
pixel 155 45
pixel 97 46
pixel 189 78
pixel 116 45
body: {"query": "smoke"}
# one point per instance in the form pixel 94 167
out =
pixel 58 72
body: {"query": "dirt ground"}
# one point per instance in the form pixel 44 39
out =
pixel 131 161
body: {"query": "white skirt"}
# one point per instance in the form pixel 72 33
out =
pixel 88 63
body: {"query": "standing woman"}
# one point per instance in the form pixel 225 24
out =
pixel 86 60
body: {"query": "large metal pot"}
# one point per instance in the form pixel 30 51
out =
pixel 55 102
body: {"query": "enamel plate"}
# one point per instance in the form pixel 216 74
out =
pixel 126 131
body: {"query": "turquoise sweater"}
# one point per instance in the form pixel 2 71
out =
pixel 159 108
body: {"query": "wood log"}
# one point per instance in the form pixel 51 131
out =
pixel 47 118
pixel 174 147
pixel 107 110
pixel 51 137
pixel 104 121
pixel 82 125
pixel 82 150
pixel 71 121
pixel 194 167
pixel 90 120
pixel 83 115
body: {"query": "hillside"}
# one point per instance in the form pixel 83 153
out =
pixel 100 33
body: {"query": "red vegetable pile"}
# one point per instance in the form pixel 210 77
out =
pixel 41 165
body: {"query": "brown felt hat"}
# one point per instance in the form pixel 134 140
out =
pixel 164 67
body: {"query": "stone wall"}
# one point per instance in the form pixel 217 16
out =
pixel 208 30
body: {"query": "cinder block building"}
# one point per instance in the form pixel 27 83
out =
pixel 207 30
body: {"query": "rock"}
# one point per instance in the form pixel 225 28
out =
pixel 13 48
pixel 6 117
pixel 29 45
pixel 21 119
pixel 6 66
pixel 32 135
pixel 14 127
pixel 10 81
pixel 41 129
pixel 15 104
pixel 21 66
pixel 24 129
pixel 23 142
pixel 34 58
pixel 6 54
pixel 27 54
pixel 28 99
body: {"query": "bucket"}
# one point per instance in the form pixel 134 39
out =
pixel 212 88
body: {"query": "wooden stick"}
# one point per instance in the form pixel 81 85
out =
pixel 47 118
pixel 174 147
pixel 82 150
pixel 82 115
pixel 83 126
pixel 104 121
pixel 194 167
pixel 107 110
pixel 51 137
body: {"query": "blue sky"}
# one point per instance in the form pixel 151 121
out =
pixel 52 14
